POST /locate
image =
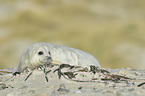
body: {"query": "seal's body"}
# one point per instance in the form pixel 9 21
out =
pixel 43 53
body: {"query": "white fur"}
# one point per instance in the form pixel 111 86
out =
pixel 59 55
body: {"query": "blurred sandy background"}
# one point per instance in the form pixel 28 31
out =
pixel 111 30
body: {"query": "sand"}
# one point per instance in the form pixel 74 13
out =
pixel 37 85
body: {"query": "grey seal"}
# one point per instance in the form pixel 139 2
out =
pixel 43 53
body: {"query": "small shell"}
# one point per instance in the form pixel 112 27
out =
pixel 43 53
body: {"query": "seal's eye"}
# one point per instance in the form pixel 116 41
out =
pixel 49 53
pixel 40 53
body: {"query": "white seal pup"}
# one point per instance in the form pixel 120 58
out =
pixel 43 53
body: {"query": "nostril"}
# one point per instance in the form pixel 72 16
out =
pixel 49 57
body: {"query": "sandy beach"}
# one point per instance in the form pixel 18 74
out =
pixel 82 84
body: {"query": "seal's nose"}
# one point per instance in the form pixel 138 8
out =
pixel 48 57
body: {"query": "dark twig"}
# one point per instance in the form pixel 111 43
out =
pixel 140 84
pixel 104 71
pixel 78 80
pixel 28 76
pixel 59 73
pixel 116 78
pixel 70 74
pixel 46 75
pixel 66 66
pixel 15 73
pixel 95 70
pixel 45 72
pixel 61 67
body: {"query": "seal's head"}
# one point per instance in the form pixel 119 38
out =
pixel 35 55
